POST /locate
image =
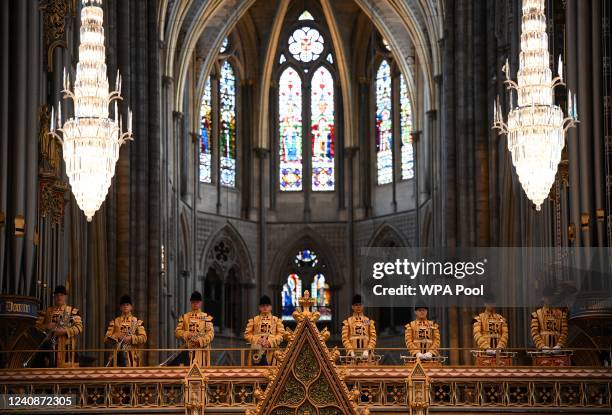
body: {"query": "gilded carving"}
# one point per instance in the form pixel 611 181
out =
pixel 321 393
pixel 52 189
pixel 330 411
pixel 306 366
pixel 307 361
pixel 293 394
pixel 55 13
pixel 307 409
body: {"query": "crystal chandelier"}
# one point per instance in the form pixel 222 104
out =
pixel 536 127
pixel 91 140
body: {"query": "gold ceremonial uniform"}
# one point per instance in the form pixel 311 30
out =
pixel 422 336
pixel 358 333
pixel 490 331
pixel 199 323
pixel 66 317
pixel 267 326
pixel 549 327
pixel 127 325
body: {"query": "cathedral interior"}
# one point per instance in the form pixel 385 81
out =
pixel 251 152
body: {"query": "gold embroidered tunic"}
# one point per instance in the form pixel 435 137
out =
pixel 264 326
pixel 64 346
pixel 127 325
pixel 422 336
pixel 358 333
pixel 490 331
pixel 549 327
pixel 200 325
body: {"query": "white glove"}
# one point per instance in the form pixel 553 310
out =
pixel 350 353
pixel 428 355
pixel 420 355
pixel 490 351
pixel 557 347
pixel 365 354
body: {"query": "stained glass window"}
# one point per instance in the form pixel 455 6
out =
pixel 319 290
pixel 205 135
pixel 292 290
pixel 306 44
pixel 406 131
pixel 306 258
pixel 224 45
pixel 322 129
pixel 227 130
pixel 306 16
pixel 306 273
pixel 290 130
pixel 384 124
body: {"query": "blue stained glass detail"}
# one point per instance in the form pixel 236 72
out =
pixel 384 124
pixel 206 135
pixel 227 130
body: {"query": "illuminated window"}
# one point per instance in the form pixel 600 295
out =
pixel 306 64
pixel 224 45
pixel 292 291
pixel 406 131
pixel 319 290
pixel 384 124
pixel 322 129
pixel 306 44
pixel 306 269
pixel 290 127
pixel 227 130
pixel 206 135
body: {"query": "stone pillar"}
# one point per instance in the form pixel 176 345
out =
pixel 416 136
pixel 572 136
pixel 4 140
pixel 585 127
pixel 598 137
pixel 262 155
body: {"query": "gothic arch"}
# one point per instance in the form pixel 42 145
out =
pixel 387 236
pixel 305 239
pixel 226 251
pixel 405 24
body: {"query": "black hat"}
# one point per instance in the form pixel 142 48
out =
pixel 421 306
pixel 356 299
pixel 60 289
pixel 195 296
pixel 265 300
pixel 125 299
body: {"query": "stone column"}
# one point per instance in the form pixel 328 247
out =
pixel 4 140
pixel 598 137
pixel 572 136
pixel 585 111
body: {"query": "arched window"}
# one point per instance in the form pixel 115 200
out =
pixel 290 127
pixel 384 124
pixel 306 105
pixel 219 128
pixel 306 270
pixel 406 131
pixel 206 135
pixel 227 131
pixel 322 129
pixel 386 104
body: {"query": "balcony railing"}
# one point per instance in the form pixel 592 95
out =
pixel 231 387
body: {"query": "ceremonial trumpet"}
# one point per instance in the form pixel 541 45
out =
pixel 259 349
pixel 258 353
